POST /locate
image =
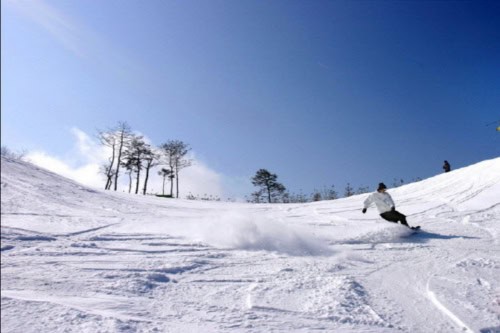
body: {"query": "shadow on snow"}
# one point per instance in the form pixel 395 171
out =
pixel 425 236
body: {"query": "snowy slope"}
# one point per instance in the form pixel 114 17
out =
pixel 76 259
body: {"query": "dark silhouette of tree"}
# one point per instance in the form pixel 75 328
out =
pixel 175 152
pixel 108 139
pixel 331 193
pixel 397 182
pixel 151 159
pixel 325 194
pixel 349 191
pixel 8 153
pixel 116 139
pixel 108 170
pixel 124 136
pixel 362 189
pixel 129 166
pixel 134 156
pixel 166 173
pixel 269 186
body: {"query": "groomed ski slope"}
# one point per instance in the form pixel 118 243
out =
pixel 76 259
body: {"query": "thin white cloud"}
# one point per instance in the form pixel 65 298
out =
pixel 82 41
pixel 89 148
pixel 60 26
pixel 200 180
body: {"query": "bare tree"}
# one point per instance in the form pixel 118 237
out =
pixel 8 153
pixel 325 194
pixel 151 159
pixel 397 182
pixel 129 166
pixel 108 170
pixel 349 190
pixel 256 197
pixel 124 135
pixel 168 154
pixel 166 173
pixel 295 198
pixel 175 152
pixel 108 139
pixel 363 189
pixel 116 139
pixel 330 193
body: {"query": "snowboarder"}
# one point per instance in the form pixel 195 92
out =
pixel 385 206
pixel 446 166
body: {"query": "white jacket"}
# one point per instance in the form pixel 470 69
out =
pixel 382 200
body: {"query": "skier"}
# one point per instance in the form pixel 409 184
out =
pixel 446 166
pixel 385 206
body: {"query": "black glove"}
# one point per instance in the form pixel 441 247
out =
pixel 364 210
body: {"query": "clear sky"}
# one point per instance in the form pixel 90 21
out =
pixel 319 92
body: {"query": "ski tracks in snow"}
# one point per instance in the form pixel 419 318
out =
pixel 113 263
pixel 98 277
pixel 433 298
pixel 455 291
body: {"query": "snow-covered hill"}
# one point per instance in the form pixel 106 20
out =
pixel 76 259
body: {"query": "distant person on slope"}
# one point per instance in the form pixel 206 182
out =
pixel 446 166
pixel 385 206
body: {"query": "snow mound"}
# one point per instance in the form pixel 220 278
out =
pixel 76 259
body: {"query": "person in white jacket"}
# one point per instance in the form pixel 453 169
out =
pixel 385 205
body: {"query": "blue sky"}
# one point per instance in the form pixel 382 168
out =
pixel 318 92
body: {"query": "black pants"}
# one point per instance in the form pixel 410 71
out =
pixel 394 216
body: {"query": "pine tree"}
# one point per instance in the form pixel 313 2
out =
pixel 268 184
pixel 134 157
pixel 175 152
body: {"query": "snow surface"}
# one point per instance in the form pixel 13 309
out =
pixel 76 259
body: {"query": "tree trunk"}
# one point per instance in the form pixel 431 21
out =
pixel 147 176
pixel 109 182
pixel 119 158
pixel 171 187
pixel 109 175
pixel 137 181
pixel 177 184
pixel 130 182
